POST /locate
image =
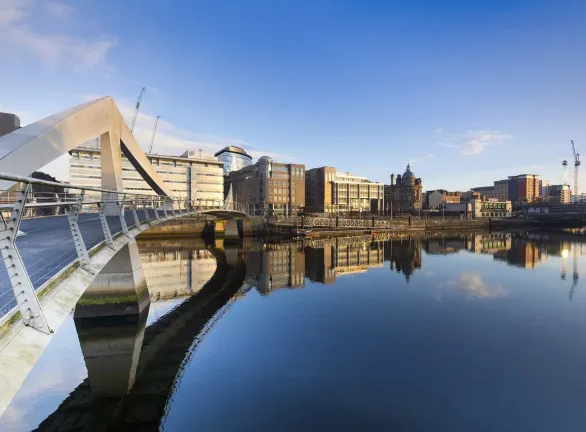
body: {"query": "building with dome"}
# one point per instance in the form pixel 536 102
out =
pixel 404 194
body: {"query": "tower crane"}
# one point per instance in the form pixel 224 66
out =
pixel 137 109
pixel 576 171
pixel 154 132
pixel 565 165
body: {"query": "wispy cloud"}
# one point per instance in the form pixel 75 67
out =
pixel 53 49
pixel 472 143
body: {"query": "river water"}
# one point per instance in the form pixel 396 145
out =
pixel 462 332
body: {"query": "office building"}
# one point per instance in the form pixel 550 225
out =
pixel 234 158
pixel 330 191
pixel 269 188
pixel 559 194
pixel 189 176
pixel 437 198
pixel 404 194
pixel 523 188
pixel 8 123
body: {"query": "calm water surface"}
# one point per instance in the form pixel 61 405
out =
pixel 472 332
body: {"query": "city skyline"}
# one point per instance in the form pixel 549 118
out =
pixel 467 93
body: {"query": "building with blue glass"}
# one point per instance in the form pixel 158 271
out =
pixel 234 158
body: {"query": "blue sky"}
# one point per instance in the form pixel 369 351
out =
pixel 467 91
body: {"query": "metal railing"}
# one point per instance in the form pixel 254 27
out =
pixel 89 216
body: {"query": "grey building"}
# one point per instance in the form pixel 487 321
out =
pixel 8 123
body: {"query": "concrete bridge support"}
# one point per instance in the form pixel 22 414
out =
pixel 119 289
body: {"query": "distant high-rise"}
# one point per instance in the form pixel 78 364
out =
pixel 234 158
pixel 8 123
pixel 523 188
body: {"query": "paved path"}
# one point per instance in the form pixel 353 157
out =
pixel 47 247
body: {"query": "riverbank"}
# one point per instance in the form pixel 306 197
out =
pixel 256 227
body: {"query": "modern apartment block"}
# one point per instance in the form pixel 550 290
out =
pixel 269 188
pixel 189 176
pixel 330 191
pixel 8 123
pixel 523 188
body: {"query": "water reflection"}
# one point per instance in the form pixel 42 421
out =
pixel 134 372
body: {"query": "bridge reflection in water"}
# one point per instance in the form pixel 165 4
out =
pixel 134 369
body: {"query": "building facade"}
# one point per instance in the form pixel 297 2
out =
pixel 485 191
pixel 404 194
pixel 501 190
pixel 269 188
pixel 559 194
pixel 523 188
pixel 437 198
pixel 330 191
pixel 490 208
pixel 234 158
pixel 8 123
pixel 189 176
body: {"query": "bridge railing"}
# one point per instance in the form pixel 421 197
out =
pixel 35 248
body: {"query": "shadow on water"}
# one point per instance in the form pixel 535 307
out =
pixel 132 370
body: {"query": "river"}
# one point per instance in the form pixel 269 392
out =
pixel 459 332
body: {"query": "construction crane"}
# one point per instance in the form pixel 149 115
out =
pixel 154 133
pixel 576 171
pixel 565 165
pixel 137 109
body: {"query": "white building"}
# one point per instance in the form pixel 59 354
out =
pixel 354 193
pixel 491 208
pixel 189 176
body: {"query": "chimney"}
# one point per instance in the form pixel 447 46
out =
pixel 392 179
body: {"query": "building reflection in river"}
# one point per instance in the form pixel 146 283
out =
pixel 176 271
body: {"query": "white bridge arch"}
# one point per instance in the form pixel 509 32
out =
pixel 34 146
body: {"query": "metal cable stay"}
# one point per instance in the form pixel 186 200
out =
pixel 17 202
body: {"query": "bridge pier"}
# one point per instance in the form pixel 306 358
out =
pixel 119 289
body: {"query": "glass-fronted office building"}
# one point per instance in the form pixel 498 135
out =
pixel 234 158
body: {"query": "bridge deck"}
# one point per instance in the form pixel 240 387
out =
pixel 47 247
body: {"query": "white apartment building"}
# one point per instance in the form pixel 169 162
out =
pixel 190 176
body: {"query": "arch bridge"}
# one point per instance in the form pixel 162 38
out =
pixel 54 244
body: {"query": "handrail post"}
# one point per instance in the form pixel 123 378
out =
pixel 122 218
pixel 165 209
pixel 154 203
pixel 134 214
pixel 105 228
pixel 73 217
pixel 30 309
pixel 146 212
